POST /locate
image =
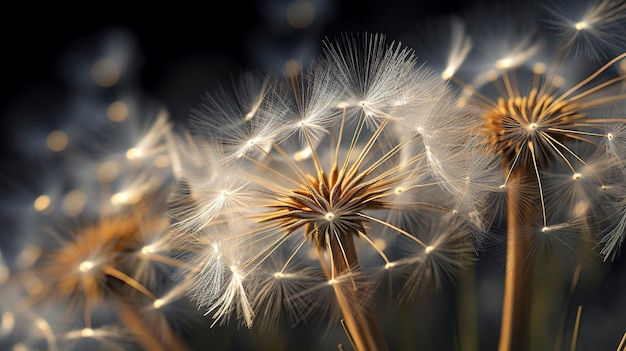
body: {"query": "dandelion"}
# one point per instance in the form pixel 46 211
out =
pixel 553 137
pixel 292 177
pixel 116 256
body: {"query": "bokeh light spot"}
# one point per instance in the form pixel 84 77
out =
pixel 74 203
pixel 105 72
pixel 117 111
pixel 300 14
pixel 57 141
pixel 42 203
pixel 107 172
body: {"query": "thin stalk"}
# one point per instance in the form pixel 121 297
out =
pixel 518 277
pixel 359 316
pixel 136 324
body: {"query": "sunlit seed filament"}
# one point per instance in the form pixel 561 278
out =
pixel 134 153
pixel 428 249
pixel 581 25
pixel 85 266
pixel 87 332
pixel 302 154
pixel 577 176
pixel 158 303
pixel 447 73
pixel 238 277
pixel 504 63
pixel 148 249
pixel 42 324
pixel 124 198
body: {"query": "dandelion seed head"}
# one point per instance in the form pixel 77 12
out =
pixel 320 184
pixel 428 249
pixel 577 176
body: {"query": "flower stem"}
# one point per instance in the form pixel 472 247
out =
pixel 132 318
pixel 352 297
pixel 518 278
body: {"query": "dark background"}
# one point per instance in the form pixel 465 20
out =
pixel 205 44
pixel 181 50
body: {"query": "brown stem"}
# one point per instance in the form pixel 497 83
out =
pixel 359 315
pixel 136 323
pixel 517 285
